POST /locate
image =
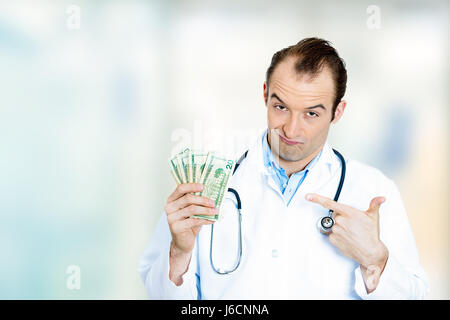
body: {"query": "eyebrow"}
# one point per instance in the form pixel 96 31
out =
pixel 317 106
pixel 274 95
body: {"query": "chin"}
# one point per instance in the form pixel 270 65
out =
pixel 292 156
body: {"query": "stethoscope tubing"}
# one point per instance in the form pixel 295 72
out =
pixel 326 223
pixel 238 261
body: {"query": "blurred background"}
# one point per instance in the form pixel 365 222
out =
pixel 96 95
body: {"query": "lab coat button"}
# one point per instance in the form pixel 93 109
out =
pixel 274 253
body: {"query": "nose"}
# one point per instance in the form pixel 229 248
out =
pixel 292 128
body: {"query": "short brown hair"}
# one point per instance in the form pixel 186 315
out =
pixel 312 54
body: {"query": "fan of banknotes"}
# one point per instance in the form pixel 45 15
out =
pixel 208 168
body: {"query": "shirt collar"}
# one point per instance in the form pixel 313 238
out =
pixel 271 163
pixel 327 157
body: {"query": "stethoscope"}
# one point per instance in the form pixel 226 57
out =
pixel 324 224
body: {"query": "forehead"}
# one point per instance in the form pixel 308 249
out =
pixel 299 88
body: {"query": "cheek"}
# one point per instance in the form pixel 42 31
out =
pixel 316 131
pixel 320 131
pixel 275 119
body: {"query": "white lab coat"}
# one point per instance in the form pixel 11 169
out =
pixel 284 255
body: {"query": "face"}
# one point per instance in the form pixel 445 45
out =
pixel 299 111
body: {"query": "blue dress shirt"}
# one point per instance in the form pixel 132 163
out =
pixel 288 186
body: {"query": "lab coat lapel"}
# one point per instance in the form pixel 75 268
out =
pixel 323 176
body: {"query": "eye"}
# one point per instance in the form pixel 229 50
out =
pixel 312 114
pixel 279 107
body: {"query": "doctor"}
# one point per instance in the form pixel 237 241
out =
pixel 286 183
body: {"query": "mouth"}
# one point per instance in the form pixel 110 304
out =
pixel 289 142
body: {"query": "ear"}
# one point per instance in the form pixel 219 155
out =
pixel 339 111
pixel 265 92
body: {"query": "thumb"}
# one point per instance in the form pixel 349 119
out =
pixel 375 204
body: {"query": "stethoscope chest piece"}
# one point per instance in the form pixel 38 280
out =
pixel 325 224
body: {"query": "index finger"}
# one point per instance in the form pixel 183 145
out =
pixel 184 188
pixel 328 203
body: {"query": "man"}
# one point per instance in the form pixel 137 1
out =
pixel 286 183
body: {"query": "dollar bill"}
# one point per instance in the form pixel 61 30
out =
pixel 181 166
pixel 215 176
pixel 182 170
pixel 198 163
pixel 175 171
pixel 186 161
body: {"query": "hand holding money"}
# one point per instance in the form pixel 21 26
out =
pixel 202 180
pixel 181 205
pixel 207 168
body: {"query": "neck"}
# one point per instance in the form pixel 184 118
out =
pixel 291 167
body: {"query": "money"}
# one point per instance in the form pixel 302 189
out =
pixel 215 177
pixel 175 170
pixel 198 163
pixel 207 168
pixel 186 162
pixel 179 167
